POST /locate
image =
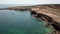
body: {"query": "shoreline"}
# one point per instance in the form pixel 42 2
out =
pixel 47 13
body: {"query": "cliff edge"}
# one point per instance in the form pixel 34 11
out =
pixel 48 13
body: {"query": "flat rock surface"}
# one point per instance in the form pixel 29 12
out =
pixel 52 11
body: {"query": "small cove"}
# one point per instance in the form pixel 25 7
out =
pixel 20 22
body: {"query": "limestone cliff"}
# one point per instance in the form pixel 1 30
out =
pixel 48 13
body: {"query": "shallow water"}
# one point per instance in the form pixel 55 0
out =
pixel 20 22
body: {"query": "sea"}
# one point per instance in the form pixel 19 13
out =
pixel 19 22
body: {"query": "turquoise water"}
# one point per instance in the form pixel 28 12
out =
pixel 20 22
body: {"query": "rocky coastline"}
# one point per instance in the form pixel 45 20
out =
pixel 47 13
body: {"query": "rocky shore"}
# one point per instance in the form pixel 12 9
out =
pixel 50 14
